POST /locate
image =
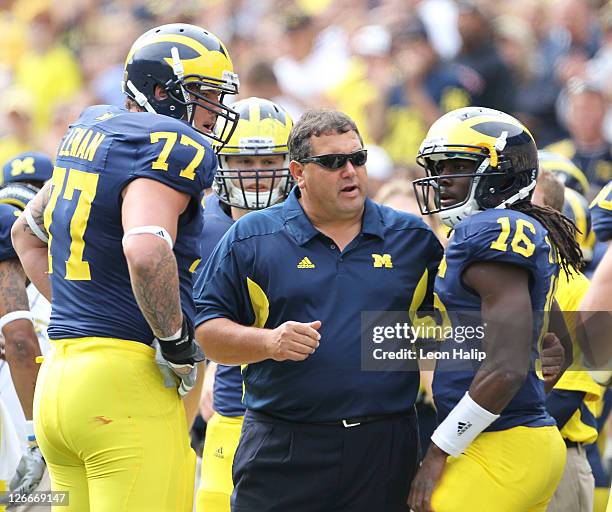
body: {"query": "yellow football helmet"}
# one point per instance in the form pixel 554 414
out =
pixel 564 169
pixel 184 60
pixel 263 129
pixel 504 149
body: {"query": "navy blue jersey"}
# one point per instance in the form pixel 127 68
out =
pixel 216 224
pixel 273 266
pixel 504 236
pixel 103 151
pixel 8 216
pixel 601 214
pixel 227 391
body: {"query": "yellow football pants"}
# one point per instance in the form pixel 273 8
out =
pixel 507 471
pixel 3 488
pixel 600 499
pixel 216 485
pixel 113 436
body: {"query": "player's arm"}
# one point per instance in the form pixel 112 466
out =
pixel 506 310
pixel 21 342
pixel 228 342
pixel 21 350
pixel 151 262
pixel 30 238
pixel 150 213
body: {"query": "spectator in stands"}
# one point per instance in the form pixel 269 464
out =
pixel 478 52
pixel 586 146
pixel 427 88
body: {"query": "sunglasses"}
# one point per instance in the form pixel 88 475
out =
pixel 336 161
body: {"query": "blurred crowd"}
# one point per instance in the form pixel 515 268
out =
pixel 392 65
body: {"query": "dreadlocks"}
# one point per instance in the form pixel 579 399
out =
pixel 562 232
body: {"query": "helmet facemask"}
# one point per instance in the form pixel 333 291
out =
pixel 186 95
pixel 184 61
pixel 506 168
pixel 428 189
pixel 261 135
pixel 231 183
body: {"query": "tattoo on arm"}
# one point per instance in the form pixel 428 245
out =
pixel 156 289
pixel 21 343
pixel 13 295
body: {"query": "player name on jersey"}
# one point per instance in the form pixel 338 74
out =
pixel 81 143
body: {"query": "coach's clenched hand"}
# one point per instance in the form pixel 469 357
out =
pixel 293 341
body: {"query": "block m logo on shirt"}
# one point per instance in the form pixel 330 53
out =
pixel 382 260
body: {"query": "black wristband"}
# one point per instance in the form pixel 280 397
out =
pixel 184 349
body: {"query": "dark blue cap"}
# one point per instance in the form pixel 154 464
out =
pixel 28 166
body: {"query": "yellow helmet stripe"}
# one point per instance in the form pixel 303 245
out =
pixel 173 38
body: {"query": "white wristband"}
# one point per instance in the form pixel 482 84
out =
pixel 175 336
pixel 151 230
pixel 29 429
pixel 462 425
pixel 15 315
pixel 34 227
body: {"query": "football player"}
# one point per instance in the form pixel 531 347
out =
pixel 495 443
pixel 24 315
pixel 118 231
pixel 253 174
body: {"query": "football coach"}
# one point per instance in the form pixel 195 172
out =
pixel 282 294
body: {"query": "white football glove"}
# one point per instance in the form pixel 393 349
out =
pixel 29 472
pixel 181 376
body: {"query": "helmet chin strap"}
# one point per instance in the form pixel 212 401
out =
pixel 140 98
pixel 453 216
pixel 521 194
pixel 179 71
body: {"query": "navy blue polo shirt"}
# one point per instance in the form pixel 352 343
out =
pixel 273 266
